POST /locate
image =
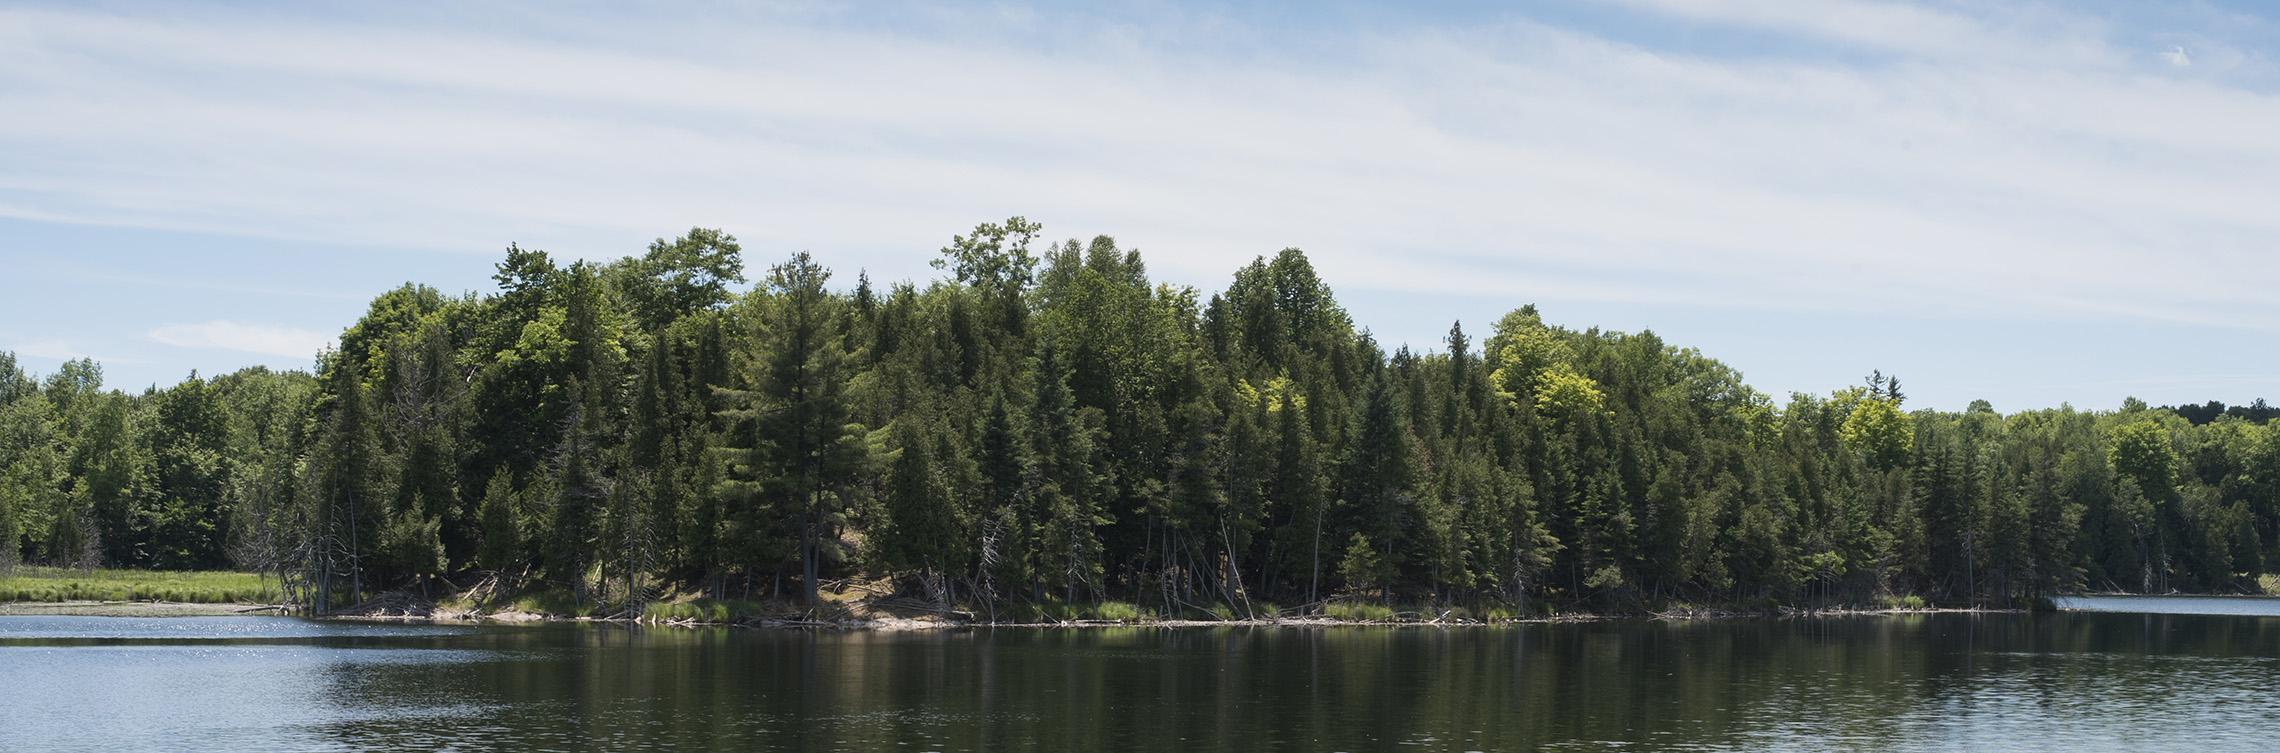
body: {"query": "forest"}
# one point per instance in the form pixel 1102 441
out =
pixel 1045 424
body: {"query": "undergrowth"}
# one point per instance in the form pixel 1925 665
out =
pixel 1054 611
pixel 554 602
pixel 704 610
pixel 1357 612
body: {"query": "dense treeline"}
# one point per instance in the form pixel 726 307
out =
pixel 1051 425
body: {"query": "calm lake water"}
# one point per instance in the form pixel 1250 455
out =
pixel 2261 606
pixel 2065 681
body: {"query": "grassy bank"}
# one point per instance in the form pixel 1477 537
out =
pixel 50 584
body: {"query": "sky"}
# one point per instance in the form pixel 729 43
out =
pixel 2027 203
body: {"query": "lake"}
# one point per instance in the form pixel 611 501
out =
pixel 2064 681
pixel 2257 606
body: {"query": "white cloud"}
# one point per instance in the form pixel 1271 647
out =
pixel 2026 35
pixel 2043 176
pixel 2176 57
pixel 270 340
pixel 56 349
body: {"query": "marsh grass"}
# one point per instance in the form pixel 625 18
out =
pixel 27 583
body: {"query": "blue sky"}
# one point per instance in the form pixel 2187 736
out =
pixel 2024 203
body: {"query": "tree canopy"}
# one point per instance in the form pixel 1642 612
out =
pixel 1055 426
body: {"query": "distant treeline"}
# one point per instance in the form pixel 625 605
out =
pixel 2256 412
pixel 1048 424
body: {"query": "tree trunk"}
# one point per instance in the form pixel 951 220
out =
pixel 808 546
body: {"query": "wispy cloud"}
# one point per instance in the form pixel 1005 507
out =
pixel 1909 28
pixel 269 340
pixel 2020 165
pixel 56 349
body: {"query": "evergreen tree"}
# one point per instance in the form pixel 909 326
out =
pixel 502 524
pixel 1059 426
pixel 804 448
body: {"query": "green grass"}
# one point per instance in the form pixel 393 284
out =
pixel 705 610
pixel 1482 612
pixel 1118 610
pixel 700 610
pixel 2268 584
pixel 1053 611
pixel 1353 612
pixel 198 587
pixel 554 602
pixel 1910 601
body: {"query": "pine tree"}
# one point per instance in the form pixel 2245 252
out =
pixel 804 452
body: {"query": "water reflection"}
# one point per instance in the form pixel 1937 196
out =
pixel 2074 681
pixel 2258 606
pixel 15 628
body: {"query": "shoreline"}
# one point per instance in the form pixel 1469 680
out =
pixel 901 624
pixel 904 624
